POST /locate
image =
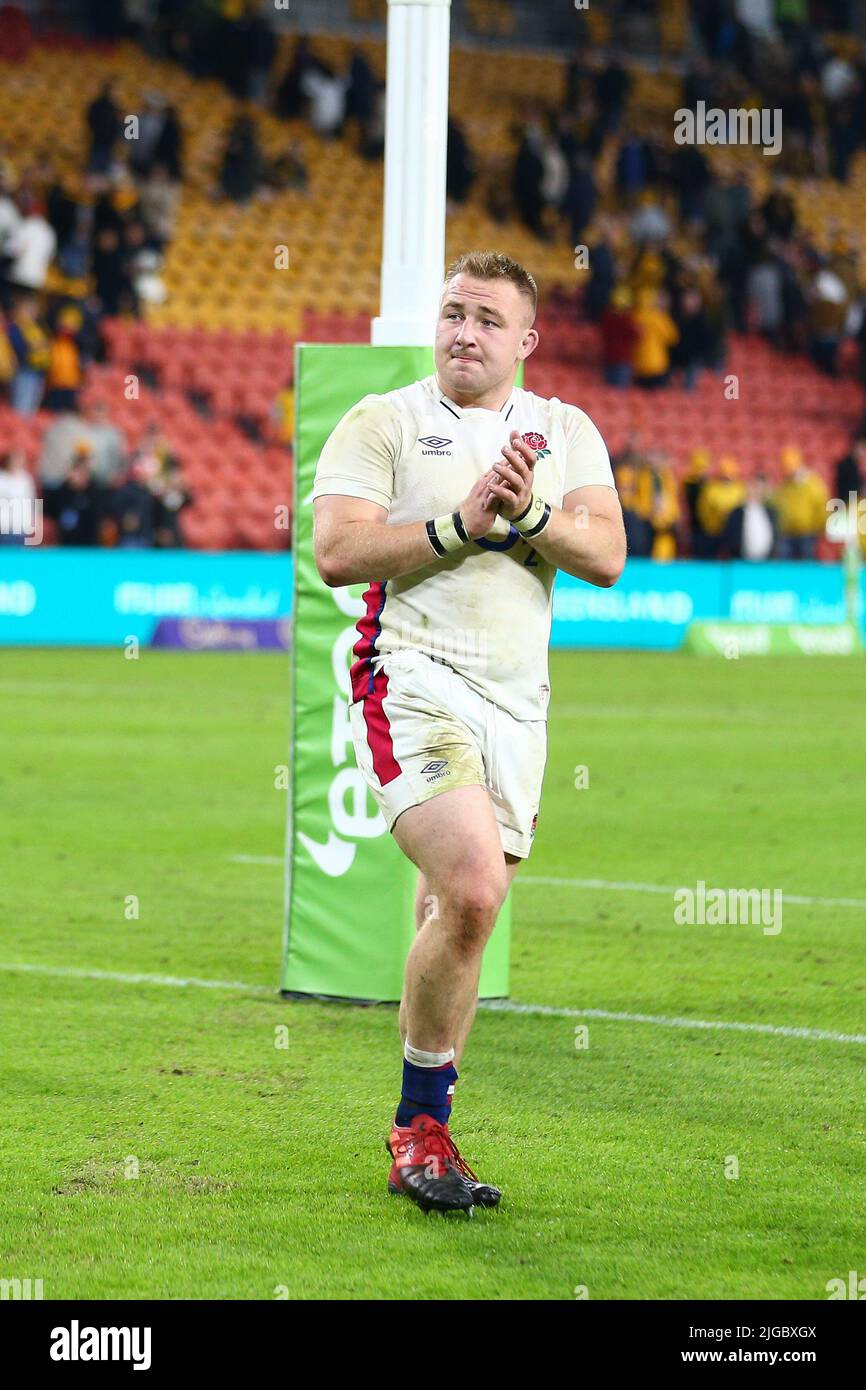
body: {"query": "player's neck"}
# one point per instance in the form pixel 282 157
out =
pixel 491 400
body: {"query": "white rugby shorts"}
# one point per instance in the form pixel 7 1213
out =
pixel 420 729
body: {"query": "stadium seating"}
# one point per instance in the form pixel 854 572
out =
pixel 219 350
pixel 238 482
pixel 772 408
pixel 220 270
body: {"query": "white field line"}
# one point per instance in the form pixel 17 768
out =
pixel 608 885
pixel 80 690
pixel 611 885
pixel 119 977
pixel 491 1005
pixel 666 713
pixel 256 859
pixel 780 1031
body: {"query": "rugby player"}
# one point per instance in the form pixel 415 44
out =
pixel 456 499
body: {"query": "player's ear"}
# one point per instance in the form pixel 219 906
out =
pixel 528 344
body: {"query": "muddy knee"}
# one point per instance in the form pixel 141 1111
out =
pixel 470 905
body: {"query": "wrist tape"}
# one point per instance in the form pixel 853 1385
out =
pixel 533 521
pixel 447 533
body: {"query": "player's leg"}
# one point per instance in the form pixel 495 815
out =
pixel 512 864
pixel 421 738
pixel 425 907
pixel 454 840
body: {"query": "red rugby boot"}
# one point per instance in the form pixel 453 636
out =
pixel 428 1168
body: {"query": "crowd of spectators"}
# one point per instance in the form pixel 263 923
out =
pixel 758 268
pixel 236 43
pixel 94 490
pixel 77 248
pixel 678 250
pixel 664 302
pixel 716 513
pixel 689 254
pixel 74 250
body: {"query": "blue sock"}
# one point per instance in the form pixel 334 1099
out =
pixel 426 1091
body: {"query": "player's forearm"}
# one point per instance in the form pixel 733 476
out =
pixel 355 552
pixel 583 544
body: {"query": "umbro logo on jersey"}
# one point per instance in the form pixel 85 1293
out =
pixel 433 771
pixel 435 445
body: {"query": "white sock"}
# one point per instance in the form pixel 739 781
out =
pixel 426 1059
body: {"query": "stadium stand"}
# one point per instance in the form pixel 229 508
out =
pixel 213 349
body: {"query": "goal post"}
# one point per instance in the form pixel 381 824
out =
pixel 350 893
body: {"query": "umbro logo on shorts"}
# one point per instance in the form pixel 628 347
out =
pixel 435 445
pixel 433 771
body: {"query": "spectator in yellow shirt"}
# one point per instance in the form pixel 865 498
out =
pixel 638 533
pixel 64 368
pixel 651 358
pixel 650 504
pixel 718 498
pixel 664 506
pixel 636 502
pixel 801 507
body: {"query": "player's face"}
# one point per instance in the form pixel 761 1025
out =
pixel 482 335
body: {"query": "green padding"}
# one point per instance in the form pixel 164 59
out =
pixel 349 891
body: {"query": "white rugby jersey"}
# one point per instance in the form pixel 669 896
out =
pixel 485 609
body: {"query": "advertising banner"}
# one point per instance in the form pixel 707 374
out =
pixel 80 597
pixel 783 592
pixel 773 639
pixel 651 606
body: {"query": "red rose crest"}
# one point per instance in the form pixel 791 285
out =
pixel 537 442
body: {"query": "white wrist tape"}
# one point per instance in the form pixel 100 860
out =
pixel 533 521
pixel 447 533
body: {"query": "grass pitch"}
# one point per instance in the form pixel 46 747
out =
pixel 156 1143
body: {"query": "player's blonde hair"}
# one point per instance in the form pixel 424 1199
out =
pixel 493 265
